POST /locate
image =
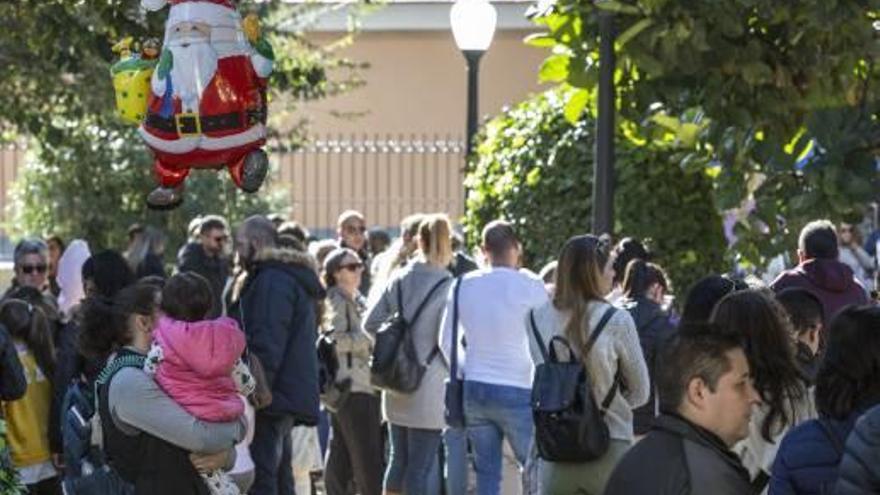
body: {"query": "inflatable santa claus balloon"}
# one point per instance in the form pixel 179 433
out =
pixel 207 102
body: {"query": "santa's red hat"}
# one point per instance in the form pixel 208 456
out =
pixel 227 3
pixel 213 12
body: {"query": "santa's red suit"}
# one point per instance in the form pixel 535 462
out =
pixel 229 119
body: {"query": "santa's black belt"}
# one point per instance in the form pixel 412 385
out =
pixel 193 124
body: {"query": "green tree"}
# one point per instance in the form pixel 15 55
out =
pixel 87 173
pixel 534 168
pixel 775 102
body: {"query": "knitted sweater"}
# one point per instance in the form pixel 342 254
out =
pixel 616 349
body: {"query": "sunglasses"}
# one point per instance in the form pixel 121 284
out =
pixel 352 267
pixel 29 269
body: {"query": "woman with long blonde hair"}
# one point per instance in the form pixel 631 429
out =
pixel 584 275
pixel 416 419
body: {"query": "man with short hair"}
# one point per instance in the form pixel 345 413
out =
pixel 496 364
pixel 821 273
pixel 205 256
pixel 277 310
pixel 706 400
pixel 351 232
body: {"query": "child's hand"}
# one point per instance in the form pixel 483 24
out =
pixel 205 463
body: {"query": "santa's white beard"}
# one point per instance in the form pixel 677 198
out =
pixel 192 70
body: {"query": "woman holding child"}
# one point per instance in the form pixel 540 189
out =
pixel 150 439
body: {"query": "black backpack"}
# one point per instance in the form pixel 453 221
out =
pixel 87 471
pixel 395 364
pixel 569 425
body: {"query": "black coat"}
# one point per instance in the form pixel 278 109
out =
pixel 13 383
pixel 679 458
pixel 278 312
pixel 859 471
pixel 193 258
pixel 654 328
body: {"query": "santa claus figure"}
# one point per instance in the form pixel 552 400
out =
pixel 208 103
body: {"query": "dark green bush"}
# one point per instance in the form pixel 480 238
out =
pixel 535 169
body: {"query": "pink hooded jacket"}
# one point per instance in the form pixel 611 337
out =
pixel 196 370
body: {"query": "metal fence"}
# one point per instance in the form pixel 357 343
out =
pixel 386 177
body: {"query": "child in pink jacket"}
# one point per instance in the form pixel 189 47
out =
pixel 197 362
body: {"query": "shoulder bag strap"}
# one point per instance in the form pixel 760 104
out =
pixel 453 360
pixel 591 342
pixel 538 339
pixel 425 301
pixel 436 349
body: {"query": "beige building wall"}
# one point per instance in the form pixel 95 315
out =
pixel 416 82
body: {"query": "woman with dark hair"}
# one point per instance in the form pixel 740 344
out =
pixel 56 249
pixel 756 318
pixel 847 385
pixel 584 276
pixel 28 418
pixel 626 250
pixel 147 436
pixel 355 451
pixel 644 288
pixel 146 252
pixel 103 275
pixel 705 294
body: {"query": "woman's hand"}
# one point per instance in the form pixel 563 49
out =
pixel 205 463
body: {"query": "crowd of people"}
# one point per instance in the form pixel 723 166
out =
pixel 269 362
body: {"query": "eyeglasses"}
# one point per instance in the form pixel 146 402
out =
pixel 29 269
pixel 352 267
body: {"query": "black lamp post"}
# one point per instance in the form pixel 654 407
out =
pixel 473 26
pixel 603 171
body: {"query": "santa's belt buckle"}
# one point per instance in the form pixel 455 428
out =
pixel 188 124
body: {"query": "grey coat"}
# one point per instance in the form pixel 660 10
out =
pixel 424 407
pixel 353 345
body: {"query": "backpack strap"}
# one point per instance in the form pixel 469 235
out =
pixel 591 342
pixel 104 377
pixel 538 339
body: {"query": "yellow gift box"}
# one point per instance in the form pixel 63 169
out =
pixel 131 82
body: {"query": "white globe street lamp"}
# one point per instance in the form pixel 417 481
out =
pixel 473 26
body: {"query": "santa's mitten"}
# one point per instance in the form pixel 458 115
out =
pixel 166 62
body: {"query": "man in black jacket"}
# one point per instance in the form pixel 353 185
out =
pixel 205 257
pixel 706 396
pixel 278 311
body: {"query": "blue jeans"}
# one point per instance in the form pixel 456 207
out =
pixel 413 455
pixel 493 412
pixel 271 452
pixel 455 442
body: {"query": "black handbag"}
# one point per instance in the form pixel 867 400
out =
pixel 569 425
pixel 454 400
pixel 395 364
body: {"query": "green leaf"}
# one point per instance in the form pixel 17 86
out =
pixel 575 105
pixel 554 69
pixel 540 40
pixel 633 31
pixel 617 7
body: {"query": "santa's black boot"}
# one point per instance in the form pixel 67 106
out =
pixel 254 170
pixel 165 198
